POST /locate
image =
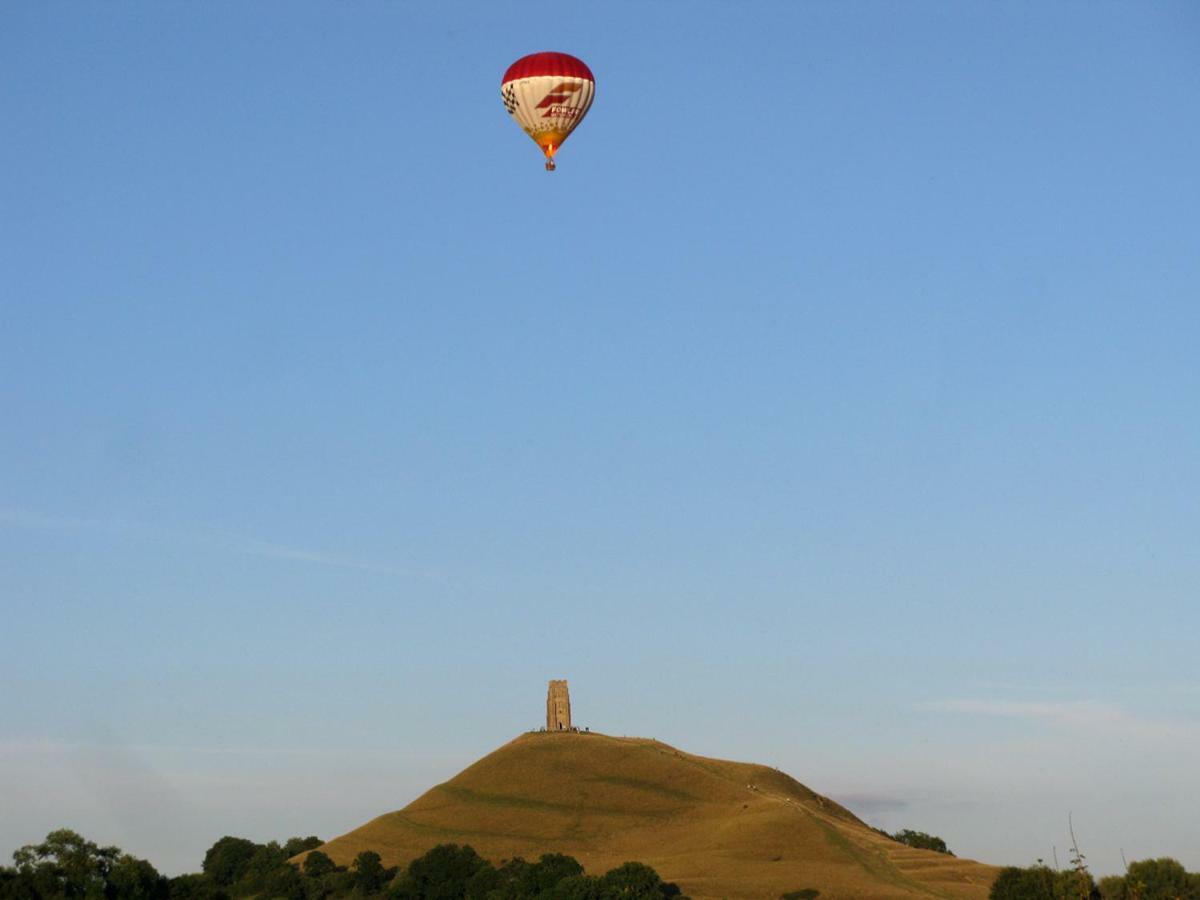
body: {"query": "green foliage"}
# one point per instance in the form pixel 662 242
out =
pixel 1043 883
pixel 368 872
pixel 1078 883
pixel 262 870
pixel 921 840
pixel 244 868
pixel 195 887
pixel 441 874
pixel 450 872
pixel 551 869
pixel 634 880
pixel 1032 883
pixel 579 887
pixel 338 883
pixel 1161 879
pixel 485 884
pixel 521 879
pixel 317 865
pixel 136 879
pixel 283 882
pixel 66 866
pixel 296 845
pixel 1152 879
pixel 227 859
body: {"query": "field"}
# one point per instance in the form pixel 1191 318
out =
pixel 719 829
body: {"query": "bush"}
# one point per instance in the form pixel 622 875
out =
pixel 195 887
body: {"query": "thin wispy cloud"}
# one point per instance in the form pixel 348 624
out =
pixel 28 519
pixel 37 521
pixel 297 554
pixel 1079 714
pixel 1074 712
pixel 41 747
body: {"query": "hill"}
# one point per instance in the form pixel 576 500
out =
pixel 719 829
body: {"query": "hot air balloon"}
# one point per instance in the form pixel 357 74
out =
pixel 548 94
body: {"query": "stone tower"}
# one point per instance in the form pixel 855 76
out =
pixel 558 707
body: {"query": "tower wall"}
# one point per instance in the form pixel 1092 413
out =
pixel 558 707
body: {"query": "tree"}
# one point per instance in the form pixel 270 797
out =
pixel 135 879
pixel 227 860
pixel 266 863
pixel 16 885
pixel 921 841
pixel 1042 883
pixel 317 864
pixel 441 874
pixel 539 878
pixel 510 874
pixel 485 884
pixel 1033 883
pixel 67 865
pixel 296 845
pixel 283 882
pixel 1160 879
pixel 368 872
pixel 635 881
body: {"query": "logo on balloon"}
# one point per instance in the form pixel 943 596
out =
pixel 553 101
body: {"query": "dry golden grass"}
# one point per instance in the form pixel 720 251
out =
pixel 719 829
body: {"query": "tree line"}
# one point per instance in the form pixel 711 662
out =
pixel 1147 879
pixel 67 866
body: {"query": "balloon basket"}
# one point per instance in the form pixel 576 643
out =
pixel 550 167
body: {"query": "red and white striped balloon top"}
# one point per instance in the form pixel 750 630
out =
pixel 548 94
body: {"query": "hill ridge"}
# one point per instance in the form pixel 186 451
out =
pixel 718 828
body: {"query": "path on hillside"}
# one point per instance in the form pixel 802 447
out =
pixel 891 863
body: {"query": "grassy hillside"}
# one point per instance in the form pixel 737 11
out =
pixel 717 828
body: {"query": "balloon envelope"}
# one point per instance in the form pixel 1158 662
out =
pixel 548 94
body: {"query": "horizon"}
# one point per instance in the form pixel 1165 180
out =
pixel 831 407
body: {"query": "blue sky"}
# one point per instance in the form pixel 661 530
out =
pixel 832 406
